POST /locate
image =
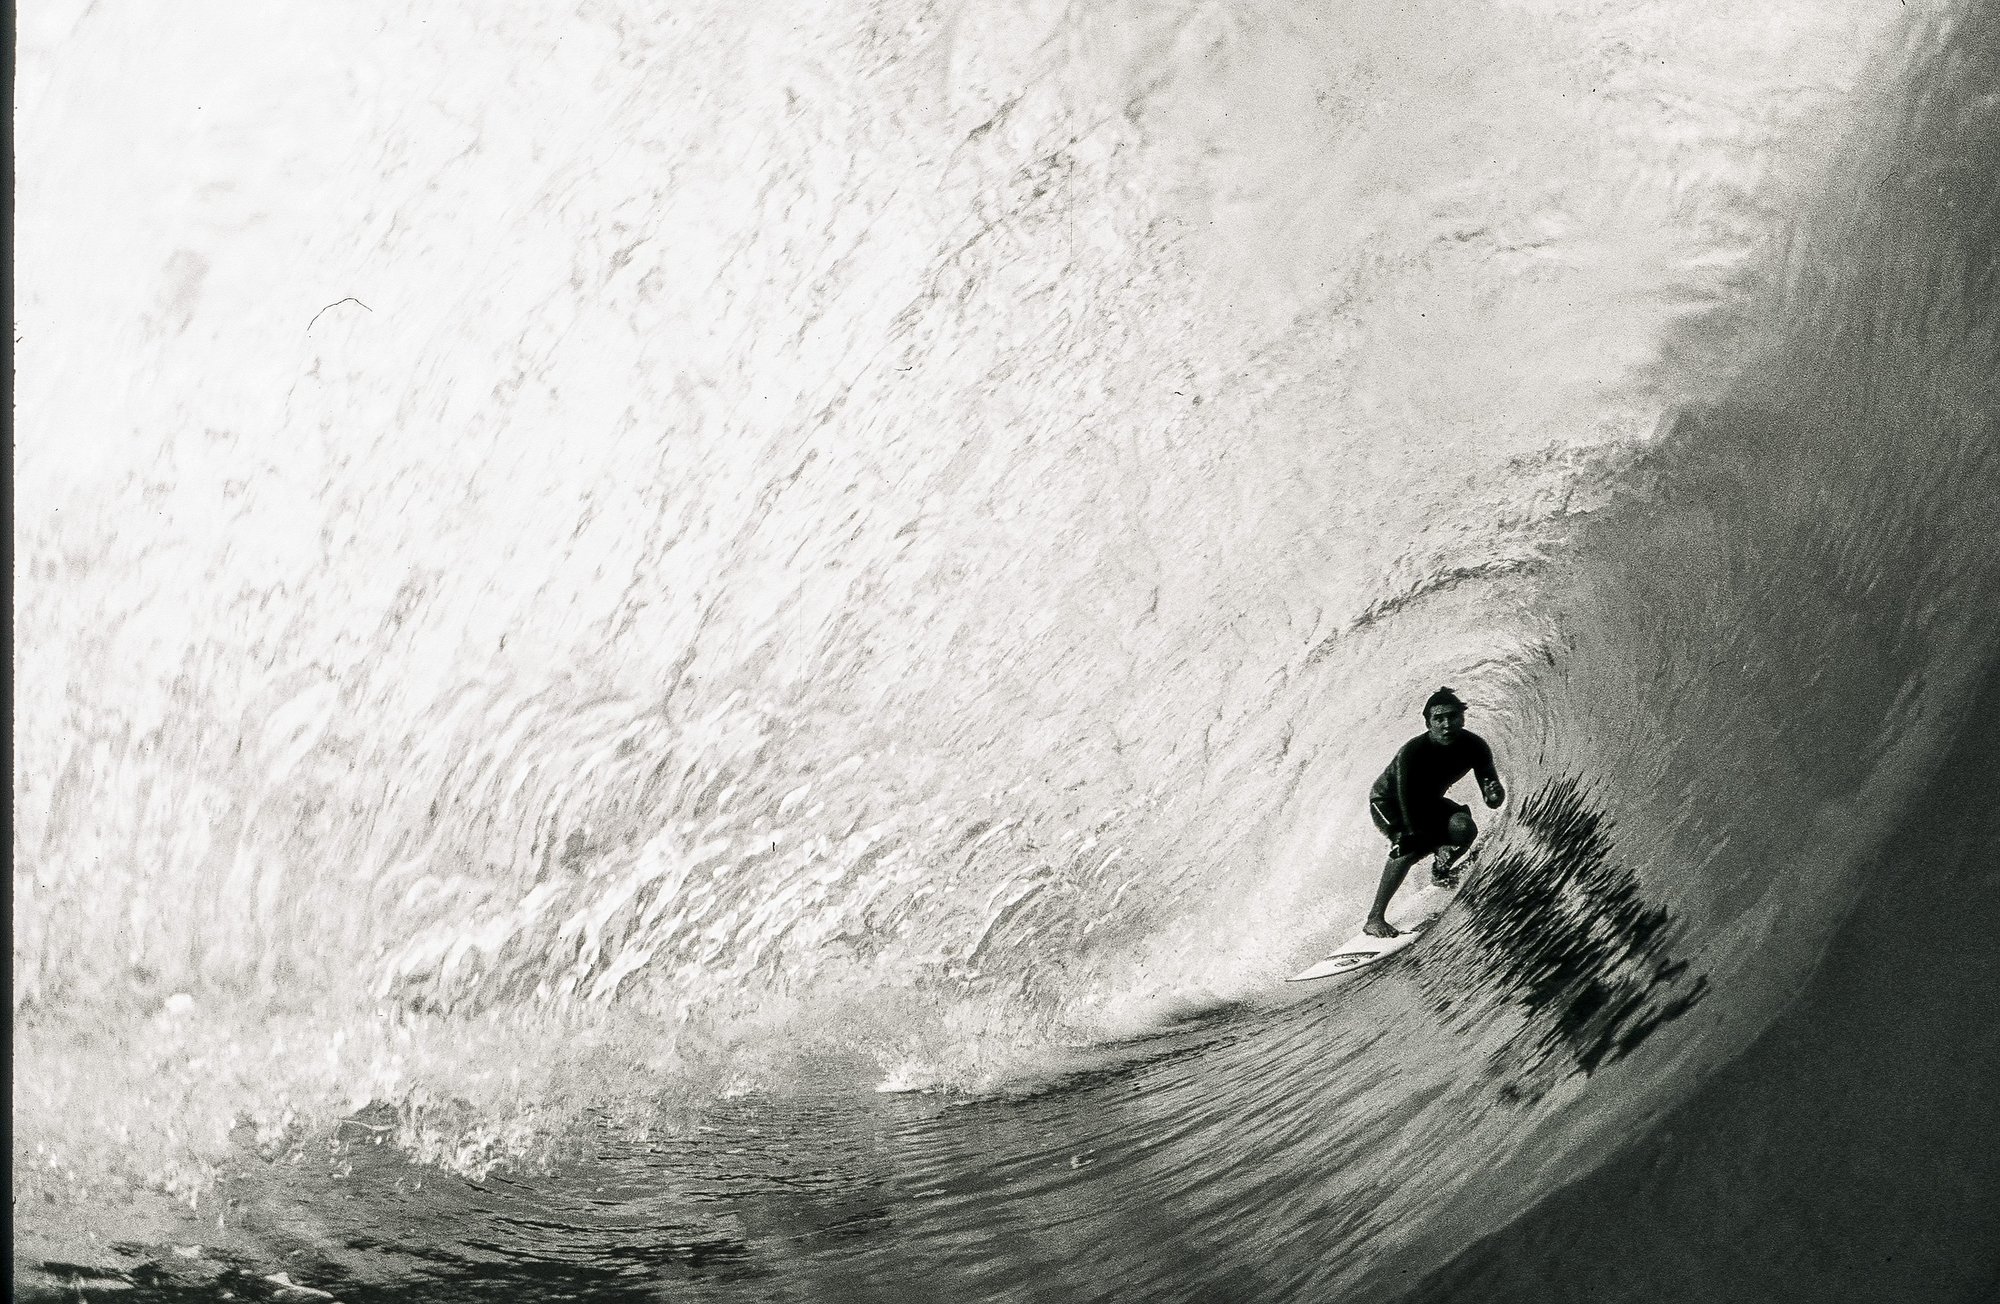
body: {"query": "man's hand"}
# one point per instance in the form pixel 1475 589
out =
pixel 1493 793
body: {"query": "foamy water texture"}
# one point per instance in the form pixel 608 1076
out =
pixel 577 568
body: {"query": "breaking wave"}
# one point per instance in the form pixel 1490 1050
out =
pixel 631 565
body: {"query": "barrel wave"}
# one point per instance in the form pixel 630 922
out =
pixel 724 655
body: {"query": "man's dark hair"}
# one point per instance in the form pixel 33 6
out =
pixel 1442 697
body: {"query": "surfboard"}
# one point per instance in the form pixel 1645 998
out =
pixel 1361 950
pixel 1358 952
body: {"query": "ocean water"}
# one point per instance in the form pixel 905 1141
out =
pixel 724 654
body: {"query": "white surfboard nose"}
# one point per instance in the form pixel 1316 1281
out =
pixel 1358 952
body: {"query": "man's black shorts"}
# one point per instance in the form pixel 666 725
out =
pixel 1432 827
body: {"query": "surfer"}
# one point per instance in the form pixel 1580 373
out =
pixel 1409 806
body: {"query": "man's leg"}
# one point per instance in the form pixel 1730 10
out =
pixel 1459 835
pixel 1392 878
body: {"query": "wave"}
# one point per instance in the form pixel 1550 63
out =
pixel 878 573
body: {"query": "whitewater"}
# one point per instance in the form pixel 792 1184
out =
pixel 724 652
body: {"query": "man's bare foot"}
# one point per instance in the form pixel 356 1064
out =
pixel 1381 928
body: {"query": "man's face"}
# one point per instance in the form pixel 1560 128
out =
pixel 1444 722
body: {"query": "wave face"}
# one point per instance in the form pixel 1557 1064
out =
pixel 632 579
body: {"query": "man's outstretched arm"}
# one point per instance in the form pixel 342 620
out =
pixel 1392 828
pixel 1489 778
pixel 1406 800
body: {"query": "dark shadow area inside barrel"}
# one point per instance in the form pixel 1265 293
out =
pixel 1554 921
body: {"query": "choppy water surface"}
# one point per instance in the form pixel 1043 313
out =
pixel 723 657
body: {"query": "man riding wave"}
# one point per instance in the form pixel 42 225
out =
pixel 1408 801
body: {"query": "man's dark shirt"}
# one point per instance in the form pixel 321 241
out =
pixel 1410 793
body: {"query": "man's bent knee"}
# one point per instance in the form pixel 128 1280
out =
pixel 1462 829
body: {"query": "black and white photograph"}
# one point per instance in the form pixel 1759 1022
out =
pixel 1034 652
